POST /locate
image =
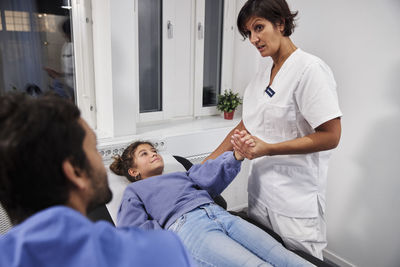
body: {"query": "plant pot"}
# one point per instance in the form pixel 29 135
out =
pixel 228 115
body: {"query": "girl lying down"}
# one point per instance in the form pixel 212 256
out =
pixel 182 202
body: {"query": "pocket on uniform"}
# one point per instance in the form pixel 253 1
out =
pixel 294 190
pixel 302 229
pixel 280 123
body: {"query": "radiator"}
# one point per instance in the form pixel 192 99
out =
pixel 197 158
pixel 5 223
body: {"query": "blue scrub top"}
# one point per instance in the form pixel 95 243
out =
pixel 60 236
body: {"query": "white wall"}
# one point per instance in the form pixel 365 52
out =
pixel 245 60
pixel 124 70
pixel 360 42
pixel 114 49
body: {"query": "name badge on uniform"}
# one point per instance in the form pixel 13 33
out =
pixel 269 91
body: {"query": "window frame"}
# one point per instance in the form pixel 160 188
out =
pixel 1 21
pixel 196 64
pixel 226 58
pixel 116 68
pixel 82 32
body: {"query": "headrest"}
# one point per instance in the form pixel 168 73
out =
pixel 119 183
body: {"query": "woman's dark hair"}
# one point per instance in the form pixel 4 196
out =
pixel 36 137
pixel 275 11
pixel 123 163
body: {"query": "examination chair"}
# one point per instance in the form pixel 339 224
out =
pixel 118 183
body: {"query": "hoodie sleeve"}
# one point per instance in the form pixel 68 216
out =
pixel 215 175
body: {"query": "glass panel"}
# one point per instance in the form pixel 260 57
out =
pixel 17 21
pixel 150 45
pixel 36 48
pixel 214 14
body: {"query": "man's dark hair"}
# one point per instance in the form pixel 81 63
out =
pixel 275 11
pixel 36 137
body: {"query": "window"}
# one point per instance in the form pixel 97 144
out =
pixel 30 58
pixel 212 50
pixel 148 61
pixel 213 38
pixel 17 21
pixel 37 50
pixel 150 55
pixel 180 50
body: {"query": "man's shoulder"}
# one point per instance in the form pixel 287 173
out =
pixel 48 224
pixel 69 235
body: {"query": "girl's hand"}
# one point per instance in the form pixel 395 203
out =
pixel 238 156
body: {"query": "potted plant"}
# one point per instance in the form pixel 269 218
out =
pixel 228 102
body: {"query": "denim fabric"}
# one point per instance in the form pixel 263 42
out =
pixel 215 237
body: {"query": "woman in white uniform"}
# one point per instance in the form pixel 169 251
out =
pixel 291 110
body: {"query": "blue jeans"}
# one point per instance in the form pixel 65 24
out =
pixel 214 237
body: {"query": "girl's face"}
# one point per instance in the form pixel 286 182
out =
pixel 264 35
pixel 147 162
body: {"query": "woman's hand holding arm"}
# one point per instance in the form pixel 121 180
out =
pixel 226 143
pixel 326 137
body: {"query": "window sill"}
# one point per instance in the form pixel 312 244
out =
pixel 171 135
pixel 184 126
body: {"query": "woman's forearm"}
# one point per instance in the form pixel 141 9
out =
pixel 326 137
pixel 314 142
pixel 226 143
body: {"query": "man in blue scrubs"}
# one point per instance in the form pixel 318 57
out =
pixel 51 175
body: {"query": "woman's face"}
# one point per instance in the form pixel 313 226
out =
pixel 147 162
pixel 264 35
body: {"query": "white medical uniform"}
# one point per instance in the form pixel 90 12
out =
pixel 303 96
